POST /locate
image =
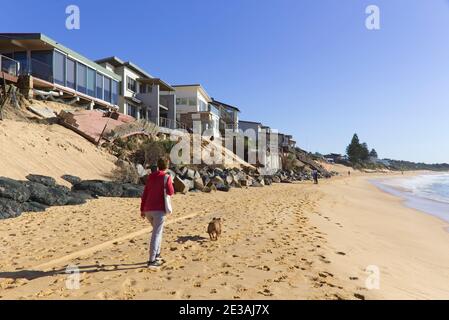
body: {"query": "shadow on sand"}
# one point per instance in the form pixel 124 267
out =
pixel 184 239
pixel 35 274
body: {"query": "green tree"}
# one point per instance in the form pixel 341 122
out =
pixel 373 153
pixel 364 152
pixel 353 150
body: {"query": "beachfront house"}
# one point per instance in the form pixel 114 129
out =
pixel 143 96
pixel 229 116
pixel 286 142
pixel 193 106
pixel 56 72
pixel 257 133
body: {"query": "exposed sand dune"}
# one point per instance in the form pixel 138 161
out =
pixel 50 150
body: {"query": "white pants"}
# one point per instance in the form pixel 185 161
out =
pixel 157 219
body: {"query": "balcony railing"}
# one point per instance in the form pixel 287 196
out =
pixel 169 123
pixel 9 66
pixel 214 110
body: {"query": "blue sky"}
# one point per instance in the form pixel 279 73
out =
pixel 305 67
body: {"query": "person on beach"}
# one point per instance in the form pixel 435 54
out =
pixel 349 173
pixel 315 176
pixel 153 208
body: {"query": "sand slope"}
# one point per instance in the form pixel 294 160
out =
pixel 50 150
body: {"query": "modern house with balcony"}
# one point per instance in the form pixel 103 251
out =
pixel 142 95
pixel 194 105
pixel 229 116
pixel 257 133
pixel 57 69
pixel 286 142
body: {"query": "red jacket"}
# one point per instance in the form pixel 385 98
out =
pixel 153 195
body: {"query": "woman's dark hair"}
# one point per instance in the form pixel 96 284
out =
pixel 162 164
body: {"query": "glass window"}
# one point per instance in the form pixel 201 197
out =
pixel 81 77
pixel 192 102
pixel 71 73
pixel 182 101
pixel 131 84
pixel 59 68
pixel 114 90
pixel 107 89
pixel 99 86
pixel 203 106
pixel 91 82
pixel 21 57
pixel 141 113
pixel 132 110
pixel 143 88
pixel 42 65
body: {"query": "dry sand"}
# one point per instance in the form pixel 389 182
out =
pixel 287 241
pixel 52 150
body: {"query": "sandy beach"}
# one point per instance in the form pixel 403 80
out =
pixel 286 241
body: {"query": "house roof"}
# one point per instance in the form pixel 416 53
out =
pixel 199 87
pixel 250 122
pixel 216 102
pixel 117 62
pixel 162 85
pixel 39 41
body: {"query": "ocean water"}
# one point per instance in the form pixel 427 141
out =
pixel 428 193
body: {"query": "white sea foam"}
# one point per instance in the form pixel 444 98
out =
pixel 432 187
pixel 428 193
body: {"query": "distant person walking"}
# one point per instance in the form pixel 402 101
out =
pixel 153 207
pixel 349 173
pixel 315 176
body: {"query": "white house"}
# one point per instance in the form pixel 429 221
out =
pixel 141 95
pixel 193 104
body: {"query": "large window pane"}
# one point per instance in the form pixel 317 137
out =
pixel 107 89
pixel 71 72
pixel 91 82
pixel 81 77
pixel 59 68
pixel 114 92
pixel 42 65
pixel 99 86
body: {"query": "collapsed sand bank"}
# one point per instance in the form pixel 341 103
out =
pixel 49 150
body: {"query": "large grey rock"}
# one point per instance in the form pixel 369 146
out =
pixel 9 208
pixel 217 180
pixel 189 174
pixel 32 206
pixel 132 190
pixel 51 196
pixel 100 188
pixel 179 185
pixel 198 183
pixel 45 180
pixel 71 179
pixel 189 183
pixel 257 184
pixel 14 190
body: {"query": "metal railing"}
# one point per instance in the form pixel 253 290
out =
pixel 9 65
pixel 168 123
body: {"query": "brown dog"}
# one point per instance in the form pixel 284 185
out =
pixel 214 229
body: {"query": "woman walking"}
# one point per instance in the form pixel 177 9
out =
pixel 154 207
